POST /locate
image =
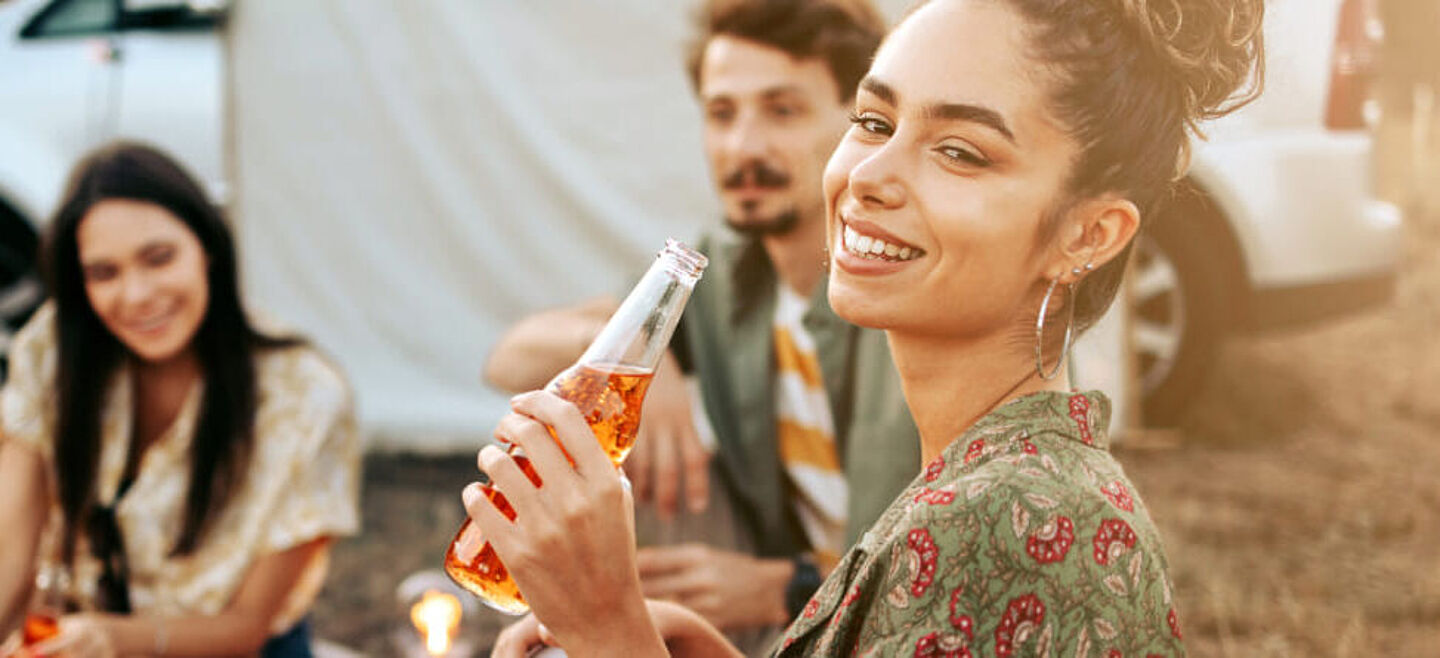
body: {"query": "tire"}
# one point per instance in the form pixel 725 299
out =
pixel 20 288
pixel 1185 273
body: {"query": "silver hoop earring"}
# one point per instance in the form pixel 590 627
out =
pixel 1040 331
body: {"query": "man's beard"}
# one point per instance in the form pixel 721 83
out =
pixel 758 228
pixel 760 174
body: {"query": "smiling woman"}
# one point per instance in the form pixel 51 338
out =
pixel 185 469
pixel 1002 156
pixel 144 276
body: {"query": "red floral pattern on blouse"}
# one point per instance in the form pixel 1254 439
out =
pixel 1080 411
pixel 935 496
pixel 973 558
pixel 1113 540
pixel 937 465
pixel 936 645
pixel 1050 543
pixel 962 622
pixel 1118 495
pixel 923 553
pixel 1019 623
pixel 976 449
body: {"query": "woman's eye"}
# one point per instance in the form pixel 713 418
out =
pixel 159 256
pixel 964 156
pixel 871 124
pixel 98 273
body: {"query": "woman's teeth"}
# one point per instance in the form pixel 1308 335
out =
pixel 867 246
pixel 150 324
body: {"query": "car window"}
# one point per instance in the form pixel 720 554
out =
pixel 74 17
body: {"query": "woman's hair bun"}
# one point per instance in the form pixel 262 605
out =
pixel 1214 48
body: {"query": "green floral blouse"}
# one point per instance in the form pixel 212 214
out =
pixel 1023 538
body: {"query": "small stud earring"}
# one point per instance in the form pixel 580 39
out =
pixel 1075 271
pixel 1089 266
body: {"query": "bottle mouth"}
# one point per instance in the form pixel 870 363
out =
pixel 683 258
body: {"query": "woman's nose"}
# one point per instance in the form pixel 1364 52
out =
pixel 876 179
pixel 135 288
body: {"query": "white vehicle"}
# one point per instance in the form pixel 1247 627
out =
pixel 75 73
pixel 1278 225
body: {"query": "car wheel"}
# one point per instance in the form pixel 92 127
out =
pixel 1181 288
pixel 20 289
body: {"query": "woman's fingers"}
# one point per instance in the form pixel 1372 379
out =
pixel 519 639
pixel 507 478
pixel 535 444
pixel 80 637
pixel 571 430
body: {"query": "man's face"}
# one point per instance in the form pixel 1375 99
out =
pixel 771 122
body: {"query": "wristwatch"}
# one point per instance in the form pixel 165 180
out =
pixel 802 585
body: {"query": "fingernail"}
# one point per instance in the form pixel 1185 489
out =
pixel 470 494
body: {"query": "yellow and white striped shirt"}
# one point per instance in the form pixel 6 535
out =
pixel 806 433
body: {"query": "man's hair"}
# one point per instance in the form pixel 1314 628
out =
pixel 842 33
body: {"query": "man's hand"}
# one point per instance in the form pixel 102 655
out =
pixel 730 590
pixel 668 446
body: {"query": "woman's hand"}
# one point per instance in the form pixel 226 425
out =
pixel 571 548
pixel 81 636
pixel 521 638
pixel 685 634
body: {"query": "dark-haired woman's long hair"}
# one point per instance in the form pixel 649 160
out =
pixel 89 354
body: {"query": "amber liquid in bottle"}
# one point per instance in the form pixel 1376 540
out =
pixel 39 626
pixel 607 384
pixel 610 398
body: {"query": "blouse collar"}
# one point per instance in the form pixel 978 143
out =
pixel 1077 416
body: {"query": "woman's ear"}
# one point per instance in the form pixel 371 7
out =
pixel 1094 232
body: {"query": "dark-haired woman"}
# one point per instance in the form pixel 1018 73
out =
pixel 186 469
pixel 981 208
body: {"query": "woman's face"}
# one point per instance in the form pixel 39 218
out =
pixel 951 165
pixel 145 275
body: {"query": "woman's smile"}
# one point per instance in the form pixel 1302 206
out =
pixel 864 248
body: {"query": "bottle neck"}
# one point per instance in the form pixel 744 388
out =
pixel 640 330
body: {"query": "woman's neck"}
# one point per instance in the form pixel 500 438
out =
pixel 951 383
pixel 160 391
pixel 178 371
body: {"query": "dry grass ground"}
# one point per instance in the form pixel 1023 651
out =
pixel 1302 510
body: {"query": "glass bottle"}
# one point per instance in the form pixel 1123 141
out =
pixel 608 385
pixel 42 619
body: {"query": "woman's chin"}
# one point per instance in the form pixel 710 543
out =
pixel 858 307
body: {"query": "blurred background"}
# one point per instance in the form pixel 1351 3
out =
pixel 408 179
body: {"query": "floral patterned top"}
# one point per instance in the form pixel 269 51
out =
pixel 1023 538
pixel 302 482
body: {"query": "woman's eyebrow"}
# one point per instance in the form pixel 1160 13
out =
pixel 945 111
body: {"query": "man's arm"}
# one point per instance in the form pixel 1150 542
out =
pixel 543 344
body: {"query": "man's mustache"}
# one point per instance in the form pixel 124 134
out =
pixel 756 174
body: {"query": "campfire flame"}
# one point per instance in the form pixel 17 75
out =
pixel 436 616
